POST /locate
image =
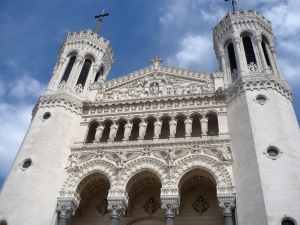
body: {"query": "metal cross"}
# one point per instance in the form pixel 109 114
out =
pixel 97 28
pixel 233 5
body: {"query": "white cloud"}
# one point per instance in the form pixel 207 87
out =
pixel 25 86
pixel 11 63
pixel 195 51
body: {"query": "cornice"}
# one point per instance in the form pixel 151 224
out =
pixel 138 146
pixel 59 101
pixel 258 82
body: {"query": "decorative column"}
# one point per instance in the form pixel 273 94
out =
pixel 55 74
pixel 258 41
pixel 223 67
pixel 117 205
pixel 238 54
pixel 78 62
pixel 227 204
pixel 170 204
pixel 66 208
pixel 273 51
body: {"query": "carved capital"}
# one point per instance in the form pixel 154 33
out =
pixel 66 207
pixel 79 59
pixel 117 206
pixel 96 68
pixel 227 204
pixel 61 61
pixel 171 205
pixel 273 49
pixel 258 39
pixel 237 40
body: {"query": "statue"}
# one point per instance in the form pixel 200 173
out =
pixel 173 125
pixel 154 89
pixel 102 208
pixel 170 156
pixel 121 158
pixel 188 126
pixel 157 128
pixel 127 131
pixel 142 131
pixel 113 131
pixel 204 125
pixel 74 160
pixel 151 206
pixel 99 132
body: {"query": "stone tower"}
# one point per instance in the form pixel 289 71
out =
pixel 29 195
pixel 261 120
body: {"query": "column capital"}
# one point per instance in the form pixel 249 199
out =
pixel 258 39
pixel 66 207
pixel 273 49
pixel 117 206
pixel 61 60
pixel 79 59
pixel 237 40
pixel 171 205
pixel 227 204
pixel 96 68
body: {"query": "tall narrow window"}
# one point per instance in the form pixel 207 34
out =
pixel 99 74
pixel 249 51
pixel 84 72
pixel 231 55
pixel 68 69
pixel 264 47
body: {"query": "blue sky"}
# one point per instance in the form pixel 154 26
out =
pixel 179 31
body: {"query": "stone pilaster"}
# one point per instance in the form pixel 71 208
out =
pixel 66 208
pixel 227 204
pixel 170 204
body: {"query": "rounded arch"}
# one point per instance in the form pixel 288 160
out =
pixel 93 166
pixel 91 56
pixel 156 166
pixel 247 32
pixel 70 53
pixel 227 40
pixel 219 172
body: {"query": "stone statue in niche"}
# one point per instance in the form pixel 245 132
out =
pixel 99 132
pixel 102 208
pixel 157 128
pixel 200 205
pixel 173 126
pixel 151 206
pixel 204 125
pixel 154 88
pixel 127 131
pixel 113 131
pixel 188 126
pixel 142 130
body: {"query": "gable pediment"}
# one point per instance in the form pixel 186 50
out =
pixel 155 81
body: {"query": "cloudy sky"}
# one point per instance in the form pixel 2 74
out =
pixel 179 31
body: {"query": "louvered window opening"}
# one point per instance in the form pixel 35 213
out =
pixel 232 60
pixel 100 73
pixel 84 72
pixel 264 47
pixel 249 51
pixel 68 69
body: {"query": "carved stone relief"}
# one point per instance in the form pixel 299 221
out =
pixel 151 206
pixel 200 205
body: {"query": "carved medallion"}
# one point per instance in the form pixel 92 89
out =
pixel 200 205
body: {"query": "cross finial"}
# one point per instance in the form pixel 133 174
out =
pixel 233 5
pixel 156 62
pixel 97 28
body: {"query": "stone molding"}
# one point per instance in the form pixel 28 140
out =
pixel 66 207
pixel 117 206
pixel 227 204
pixel 58 101
pixel 258 82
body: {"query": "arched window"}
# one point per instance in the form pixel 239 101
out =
pixel 264 47
pixel 68 69
pixel 99 74
pixel 231 54
pixel 84 72
pixel 92 131
pixel 249 51
pixel 287 222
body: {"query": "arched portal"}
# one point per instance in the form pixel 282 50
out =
pixel 93 191
pixel 198 199
pixel 144 199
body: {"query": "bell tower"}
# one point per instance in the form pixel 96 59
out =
pixel 261 120
pixel 29 194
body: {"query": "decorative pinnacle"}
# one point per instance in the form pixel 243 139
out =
pixel 97 28
pixel 156 62
pixel 233 5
